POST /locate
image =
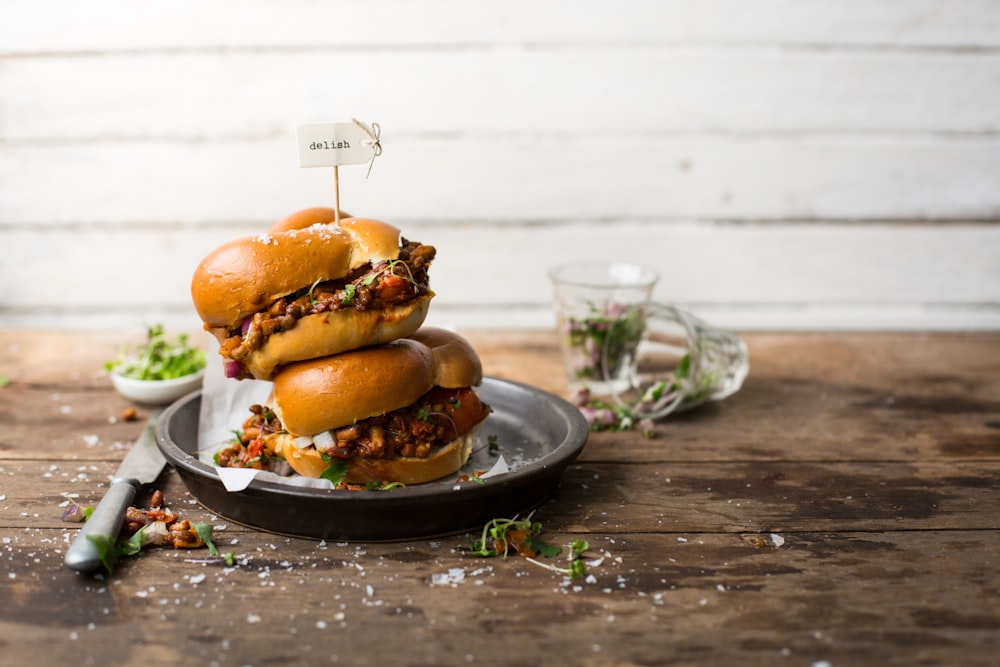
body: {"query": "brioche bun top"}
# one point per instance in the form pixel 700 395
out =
pixel 243 276
pixel 327 393
pixel 307 217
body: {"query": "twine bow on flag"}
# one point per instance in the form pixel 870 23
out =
pixel 374 132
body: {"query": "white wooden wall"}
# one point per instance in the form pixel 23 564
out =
pixel 784 164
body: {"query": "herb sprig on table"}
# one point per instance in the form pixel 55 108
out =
pixel 603 415
pixel 499 536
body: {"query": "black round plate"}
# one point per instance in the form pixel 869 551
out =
pixel 537 433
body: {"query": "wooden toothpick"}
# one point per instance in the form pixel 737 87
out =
pixel 336 191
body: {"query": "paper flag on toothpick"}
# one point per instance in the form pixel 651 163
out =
pixel 334 144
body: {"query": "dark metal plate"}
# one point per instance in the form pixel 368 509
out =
pixel 537 433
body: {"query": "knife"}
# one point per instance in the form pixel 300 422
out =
pixel 142 465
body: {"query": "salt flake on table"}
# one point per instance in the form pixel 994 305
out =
pixel 453 576
pixel 778 540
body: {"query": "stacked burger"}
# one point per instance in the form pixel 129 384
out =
pixel 329 310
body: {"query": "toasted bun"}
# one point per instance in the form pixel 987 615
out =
pixel 322 394
pixel 243 276
pixel 406 470
pixel 325 334
pixel 456 364
pixel 327 393
pixel 319 395
pixel 308 217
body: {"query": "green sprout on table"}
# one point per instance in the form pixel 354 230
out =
pixel 499 536
pixel 604 415
pixel 159 358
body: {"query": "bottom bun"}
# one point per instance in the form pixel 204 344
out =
pixel 326 334
pixel 443 461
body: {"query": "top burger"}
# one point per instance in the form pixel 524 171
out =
pixel 310 288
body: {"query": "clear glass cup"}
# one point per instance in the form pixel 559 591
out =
pixel 679 362
pixel 596 336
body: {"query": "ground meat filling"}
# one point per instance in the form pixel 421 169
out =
pixel 439 417
pixel 247 449
pixel 391 283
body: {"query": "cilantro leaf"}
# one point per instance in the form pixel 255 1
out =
pixel 106 551
pixel 336 472
pixel 541 547
pixel 204 531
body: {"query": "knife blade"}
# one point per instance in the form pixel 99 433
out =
pixel 142 465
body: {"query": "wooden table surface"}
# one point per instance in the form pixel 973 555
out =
pixel 841 509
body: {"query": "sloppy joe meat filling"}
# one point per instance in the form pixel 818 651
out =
pixel 437 418
pixel 368 287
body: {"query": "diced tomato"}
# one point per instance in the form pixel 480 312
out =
pixel 255 448
pixel 394 289
pixel 464 408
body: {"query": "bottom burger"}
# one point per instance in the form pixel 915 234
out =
pixel 404 412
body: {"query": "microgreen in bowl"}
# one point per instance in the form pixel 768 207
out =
pixel 160 358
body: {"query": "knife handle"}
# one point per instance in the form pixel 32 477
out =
pixel 106 521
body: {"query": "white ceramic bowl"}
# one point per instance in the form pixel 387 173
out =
pixel 157 392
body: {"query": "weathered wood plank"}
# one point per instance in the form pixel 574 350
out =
pixel 592 93
pixel 654 497
pixel 498 181
pixel 823 397
pixel 847 598
pixel 699 263
pixel 821 275
pixel 641 114
pixel 755 559
pixel 113 25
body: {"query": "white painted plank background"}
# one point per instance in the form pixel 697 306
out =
pixel 784 164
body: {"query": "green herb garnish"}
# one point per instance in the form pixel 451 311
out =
pixel 336 472
pixel 349 291
pixel 499 536
pixel 107 551
pixel 204 531
pixel 312 299
pixel 110 551
pixel 390 267
pixel 383 486
pixel 159 358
